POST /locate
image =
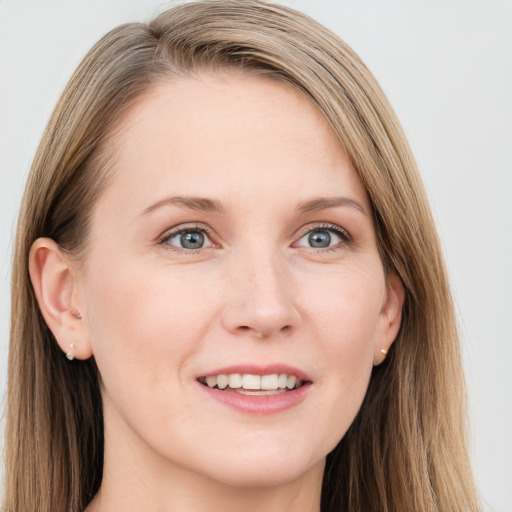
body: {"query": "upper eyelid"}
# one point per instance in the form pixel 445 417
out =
pixel 163 239
pixel 300 233
pixel 304 230
pixel 176 230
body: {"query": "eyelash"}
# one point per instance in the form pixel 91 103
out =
pixel 340 232
pixel 346 239
pixel 201 228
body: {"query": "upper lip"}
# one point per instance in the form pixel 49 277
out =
pixel 253 369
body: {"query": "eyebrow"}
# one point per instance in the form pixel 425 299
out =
pixel 322 203
pixel 201 204
pixel 204 204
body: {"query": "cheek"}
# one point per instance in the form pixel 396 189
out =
pixel 344 313
pixel 142 318
pixel 345 306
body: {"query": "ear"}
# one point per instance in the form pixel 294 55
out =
pixel 390 317
pixel 57 292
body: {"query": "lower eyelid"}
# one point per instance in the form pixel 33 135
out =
pixel 345 238
pixel 339 232
pixel 169 235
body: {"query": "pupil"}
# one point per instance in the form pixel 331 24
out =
pixel 320 239
pixel 192 240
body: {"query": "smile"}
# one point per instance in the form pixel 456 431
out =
pixel 251 384
pixel 258 390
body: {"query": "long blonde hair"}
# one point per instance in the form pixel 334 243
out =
pixel 406 449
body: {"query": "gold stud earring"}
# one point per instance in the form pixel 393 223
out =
pixel 70 355
pixel 384 351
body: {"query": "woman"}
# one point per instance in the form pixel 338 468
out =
pixel 235 294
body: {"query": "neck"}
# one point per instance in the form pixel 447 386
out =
pixel 191 494
pixel 133 489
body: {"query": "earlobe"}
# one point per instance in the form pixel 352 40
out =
pixel 54 285
pixel 390 317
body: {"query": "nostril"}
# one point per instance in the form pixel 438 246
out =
pixel 263 333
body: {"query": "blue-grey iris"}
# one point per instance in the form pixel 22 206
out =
pixel 319 239
pixel 192 240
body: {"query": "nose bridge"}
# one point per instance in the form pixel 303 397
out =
pixel 261 296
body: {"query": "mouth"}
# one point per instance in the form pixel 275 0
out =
pixel 253 384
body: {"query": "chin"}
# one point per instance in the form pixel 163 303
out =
pixel 265 467
pixel 267 474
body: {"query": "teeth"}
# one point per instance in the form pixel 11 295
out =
pixel 211 381
pixel 291 381
pixel 235 380
pixel 222 381
pixel 251 381
pixel 272 382
pixel 242 391
pixel 269 381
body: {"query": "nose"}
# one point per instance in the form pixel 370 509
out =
pixel 261 300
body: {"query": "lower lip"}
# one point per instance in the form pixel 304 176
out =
pixel 259 404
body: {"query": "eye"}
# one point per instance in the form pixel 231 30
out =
pixel 324 237
pixel 193 238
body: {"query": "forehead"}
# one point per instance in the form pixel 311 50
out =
pixel 220 131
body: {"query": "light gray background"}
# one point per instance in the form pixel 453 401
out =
pixel 447 69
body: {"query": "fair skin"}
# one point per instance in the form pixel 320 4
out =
pixel 277 271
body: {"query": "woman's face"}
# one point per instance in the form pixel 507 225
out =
pixel 235 239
